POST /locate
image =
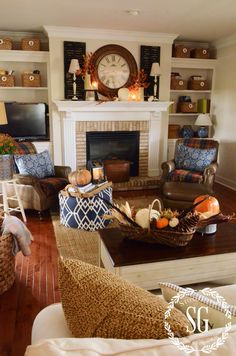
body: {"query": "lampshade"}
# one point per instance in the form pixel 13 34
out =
pixel 74 66
pixel 155 70
pixel 3 115
pixel 203 120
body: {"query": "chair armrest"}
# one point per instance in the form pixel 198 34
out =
pixel 62 171
pixel 26 179
pixel 29 180
pixel 167 167
pixel 209 173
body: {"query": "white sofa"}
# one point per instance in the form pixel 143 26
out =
pixel 51 337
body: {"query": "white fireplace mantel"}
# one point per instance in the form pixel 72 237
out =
pixel 74 111
pixel 128 106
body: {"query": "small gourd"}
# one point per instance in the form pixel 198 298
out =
pixel 142 217
pixel 80 177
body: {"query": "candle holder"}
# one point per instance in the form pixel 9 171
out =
pixel 91 95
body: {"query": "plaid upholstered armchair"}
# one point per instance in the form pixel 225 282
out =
pixel 195 161
pixel 39 193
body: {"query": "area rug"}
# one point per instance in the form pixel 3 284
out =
pixel 83 245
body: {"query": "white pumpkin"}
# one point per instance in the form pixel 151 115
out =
pixel 142 217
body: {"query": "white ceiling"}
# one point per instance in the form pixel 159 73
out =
pixel 199 20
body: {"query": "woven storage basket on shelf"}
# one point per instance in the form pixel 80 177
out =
pixel 31 80
pixel 5 43
pixel 30 44
pixel 7 80
pixel 7 263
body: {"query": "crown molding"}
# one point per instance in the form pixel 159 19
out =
pixel 225 41
pixel 105 34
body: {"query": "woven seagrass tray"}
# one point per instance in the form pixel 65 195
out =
pixel 168 236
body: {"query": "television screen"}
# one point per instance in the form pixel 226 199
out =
pixel 26 121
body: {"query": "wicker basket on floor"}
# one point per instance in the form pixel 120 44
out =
pixel 7 263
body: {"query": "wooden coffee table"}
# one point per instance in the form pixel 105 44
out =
pixel 205 258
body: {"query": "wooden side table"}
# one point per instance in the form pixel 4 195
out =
pixel 15 197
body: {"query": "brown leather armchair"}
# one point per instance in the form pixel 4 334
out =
pixel 180 186
pixel 39 194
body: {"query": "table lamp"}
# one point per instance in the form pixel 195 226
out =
pixel 204 121
pixel 74 67
pixel 3 115
pixel 155 72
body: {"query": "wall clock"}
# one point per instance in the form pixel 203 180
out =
pixel 114 68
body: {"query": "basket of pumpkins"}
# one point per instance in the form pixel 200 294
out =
pixel 167 226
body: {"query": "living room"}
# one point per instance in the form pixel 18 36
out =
pixel 73 30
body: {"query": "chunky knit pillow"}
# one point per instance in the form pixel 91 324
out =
pixel 97 303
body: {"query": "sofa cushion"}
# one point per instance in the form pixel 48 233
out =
pixel 215 312
pixel 194 159
pixel 37 165
pixel 98 303
pixel 97 346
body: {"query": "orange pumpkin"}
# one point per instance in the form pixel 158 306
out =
pixel 80 177
pixel 161 223
pixel 210 205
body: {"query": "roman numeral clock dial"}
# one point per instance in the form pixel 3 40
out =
pixel 115 67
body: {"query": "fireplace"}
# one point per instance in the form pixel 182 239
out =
pixel 122 145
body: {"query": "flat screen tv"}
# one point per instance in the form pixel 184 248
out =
pixel 26 121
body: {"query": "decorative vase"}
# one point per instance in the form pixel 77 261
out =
pixel 186 131
pixel 6 167
pixel 202 132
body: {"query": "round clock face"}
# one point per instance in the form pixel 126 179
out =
pixel 114 68
pixel 113 71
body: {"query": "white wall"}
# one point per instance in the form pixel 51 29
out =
pixel 224 114
pixel 94 40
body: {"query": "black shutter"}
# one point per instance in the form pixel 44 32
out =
pixel 73 50
pixel 149 55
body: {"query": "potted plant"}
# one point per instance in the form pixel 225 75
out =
pixel 7 149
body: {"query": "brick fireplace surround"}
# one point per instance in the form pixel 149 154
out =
pixel 77 118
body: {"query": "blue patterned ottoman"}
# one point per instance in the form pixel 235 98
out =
pixel 85 213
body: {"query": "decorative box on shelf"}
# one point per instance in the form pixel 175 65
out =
pixel 5 43
pixel 200 53
pixel 7 80
pixel 181 51
pixel 178 84
pixel 187 107
pixel 198 84
pixel 173 131
pixel 30 44
pixel 31 80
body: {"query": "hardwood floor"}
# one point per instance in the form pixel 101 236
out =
pixel 36 283
pixel 35 287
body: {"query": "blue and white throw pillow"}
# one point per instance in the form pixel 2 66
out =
pixel 193 159
pixel 37 165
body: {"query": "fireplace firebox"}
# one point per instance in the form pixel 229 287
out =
pixel 122 145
